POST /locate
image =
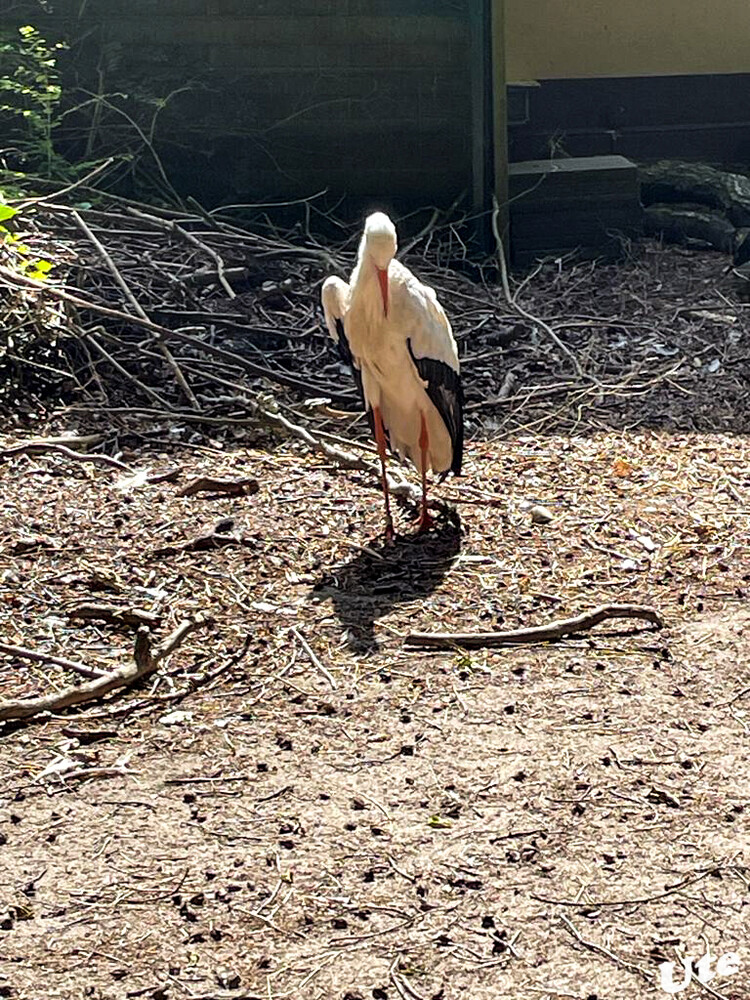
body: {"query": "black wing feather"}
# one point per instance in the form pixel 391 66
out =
pixel 345 353
pixel 446 393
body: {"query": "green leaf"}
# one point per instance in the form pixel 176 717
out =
pixel 6 212
pixel 35 268
pixel 439 824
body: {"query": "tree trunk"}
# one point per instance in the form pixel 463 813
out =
pixel 677 181
pixel 686 222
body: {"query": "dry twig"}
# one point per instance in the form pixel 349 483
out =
pixel 229 487
pixel 601 950
pixel 146 658
pixel 127 292
pixel 538 633
pixel 314 658
pixel 171 226
pixel 58 661
pixel 43 447
pixel 15 280
pixel 511 299
pixel 132 617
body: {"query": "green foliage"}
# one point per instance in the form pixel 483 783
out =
pixel 30 95
pixel 39 122
pixel 32 331
pixel 464 661
pixel 15 253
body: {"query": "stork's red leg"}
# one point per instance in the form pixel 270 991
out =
pixel 380 441
pixel 425 520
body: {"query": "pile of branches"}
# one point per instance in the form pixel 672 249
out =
pixel 196 315
pixel 140 299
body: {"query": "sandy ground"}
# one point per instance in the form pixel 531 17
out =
pixel 375 821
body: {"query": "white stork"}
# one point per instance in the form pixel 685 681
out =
pixel 393 332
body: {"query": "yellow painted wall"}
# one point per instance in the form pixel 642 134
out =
pixel 586 38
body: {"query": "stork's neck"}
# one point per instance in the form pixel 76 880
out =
pixel 366 294
pixel 364 275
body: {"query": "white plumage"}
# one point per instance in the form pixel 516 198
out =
pixel 395 334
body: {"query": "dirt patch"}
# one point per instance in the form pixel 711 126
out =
pixel 434 825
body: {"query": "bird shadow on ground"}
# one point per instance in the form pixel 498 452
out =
pixel 384 575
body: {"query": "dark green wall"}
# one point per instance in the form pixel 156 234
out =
pixel 285 97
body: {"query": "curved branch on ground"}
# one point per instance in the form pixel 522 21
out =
pixel 538 633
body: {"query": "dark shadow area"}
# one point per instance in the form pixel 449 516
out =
pixel 371 584
pixel 694 116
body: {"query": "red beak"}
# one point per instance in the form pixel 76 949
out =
pixel 383 279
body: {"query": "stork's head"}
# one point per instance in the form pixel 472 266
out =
pixel 378 248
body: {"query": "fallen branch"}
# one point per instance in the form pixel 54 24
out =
pixel 41 447
pixel 270 416
pixel 601 950
pixel 205 542
pixel 138 309
pixel 680 181
pixel 538 633
pixel 170 226
pixel 16 280
pixel 207 277
pixel 76 442
pixel 399 488
pixel 599 904
pixel 132 617
pixel 681 223
pixel 146 659
pixel 58 661
pixel 314 659
pixel 228 487
pixel 513 304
